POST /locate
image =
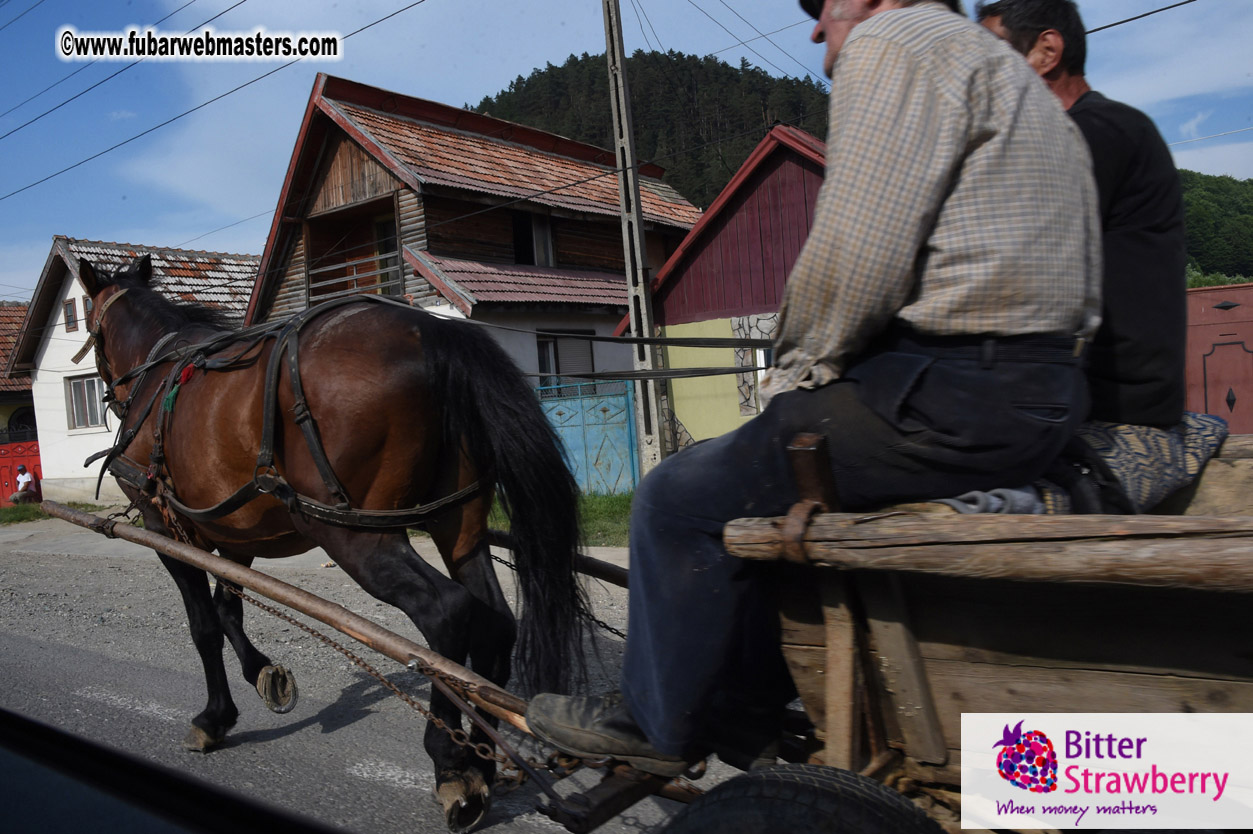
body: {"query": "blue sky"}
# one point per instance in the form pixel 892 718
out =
pixel 1190 68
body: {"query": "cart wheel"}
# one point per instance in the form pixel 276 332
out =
pixel 802 798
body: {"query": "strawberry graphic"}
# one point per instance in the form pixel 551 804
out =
pixel 1027 760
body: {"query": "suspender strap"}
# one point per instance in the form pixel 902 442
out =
pixel 309 427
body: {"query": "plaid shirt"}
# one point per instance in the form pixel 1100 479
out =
pixel 958 199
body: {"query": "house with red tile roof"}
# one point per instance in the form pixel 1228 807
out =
pixel 73 422
pixel 19 439
pixel 17 413
pixel 726 279
pixel 466 214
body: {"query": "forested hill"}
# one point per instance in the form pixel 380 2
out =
pixel 699 118
pixel 1219 216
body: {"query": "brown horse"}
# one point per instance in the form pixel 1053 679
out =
pixel 409 409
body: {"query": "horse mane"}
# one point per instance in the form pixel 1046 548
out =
pixel 168 316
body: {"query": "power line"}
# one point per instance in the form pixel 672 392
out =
pixel 759 37
pixel 767 37
pixel 188 112
pixel 1139 16
pixel 1211 136
pixel 65 78
pixel 607 173
pixel 741 43
pixel 523 199
pixel 647 42
pixel 223 228
pixel 108 78
pixel 142 134
pixel 23 14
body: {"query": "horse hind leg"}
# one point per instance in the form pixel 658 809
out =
pixel 386 566
pixel 274 683
pixel 460 536
pixel 465 792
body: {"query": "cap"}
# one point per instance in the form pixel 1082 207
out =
pixel 813 8
pixel 21 468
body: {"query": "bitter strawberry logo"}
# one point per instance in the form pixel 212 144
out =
pixel 1027 760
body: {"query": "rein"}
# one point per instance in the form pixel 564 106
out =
pixel 93 336
pixel 266 479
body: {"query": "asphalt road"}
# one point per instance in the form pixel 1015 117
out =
pixel 93 640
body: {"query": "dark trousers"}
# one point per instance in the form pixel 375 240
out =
pixel 902 425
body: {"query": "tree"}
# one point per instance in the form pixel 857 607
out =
pixel 698 118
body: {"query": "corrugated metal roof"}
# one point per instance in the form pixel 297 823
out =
pixel 11 318
pixel 216 279
pixel 444 156
pixel 512 283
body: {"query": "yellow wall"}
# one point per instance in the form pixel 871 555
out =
pixel 707 406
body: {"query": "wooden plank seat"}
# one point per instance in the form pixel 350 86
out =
pixel 896 622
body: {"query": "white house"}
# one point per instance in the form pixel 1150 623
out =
pixel 73 422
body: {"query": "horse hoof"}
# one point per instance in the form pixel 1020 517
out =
pixel 277 687
pixel 198 741
pixel 466 799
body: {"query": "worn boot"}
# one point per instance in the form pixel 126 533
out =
pixel 597 728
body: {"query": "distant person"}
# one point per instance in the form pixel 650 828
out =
pixel 28 491
pixel 1136 363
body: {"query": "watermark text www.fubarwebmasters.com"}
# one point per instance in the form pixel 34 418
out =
pixel 207 45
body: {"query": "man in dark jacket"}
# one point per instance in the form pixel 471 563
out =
pixel 1136 365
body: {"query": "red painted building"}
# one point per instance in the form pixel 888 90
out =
pixel 726 278
pixel 736 259
pixel 19 442
pixel 1220 354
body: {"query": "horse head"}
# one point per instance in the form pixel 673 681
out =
pixel 114 351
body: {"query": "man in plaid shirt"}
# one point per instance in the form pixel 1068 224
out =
pixel 932 330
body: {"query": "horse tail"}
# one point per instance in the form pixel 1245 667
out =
pixel 489 404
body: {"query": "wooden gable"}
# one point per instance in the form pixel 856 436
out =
pixel 348 176
pixel 742 259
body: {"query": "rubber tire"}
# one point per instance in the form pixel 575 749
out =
pixel 802 798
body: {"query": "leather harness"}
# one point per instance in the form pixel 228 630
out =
pixel 266 479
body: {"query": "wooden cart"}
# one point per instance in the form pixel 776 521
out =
pixel 895 623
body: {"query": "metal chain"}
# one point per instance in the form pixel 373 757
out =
pixel 604 625
pixel 125 515
pixel 508 773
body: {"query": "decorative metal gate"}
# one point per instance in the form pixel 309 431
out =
pixel 11 454
pixel 594 421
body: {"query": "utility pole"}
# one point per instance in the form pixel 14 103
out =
pixel 639 293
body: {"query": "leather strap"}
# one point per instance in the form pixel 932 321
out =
pixel 266 480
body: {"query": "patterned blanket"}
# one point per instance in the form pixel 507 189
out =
pixel 1111 468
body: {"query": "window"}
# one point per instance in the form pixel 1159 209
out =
pixel 532 239
pixel 86 307
pixel 562 355
pixel 84 404
pixel 71 316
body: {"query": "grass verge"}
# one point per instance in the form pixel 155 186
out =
pixel 31 512
pixel 605 519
